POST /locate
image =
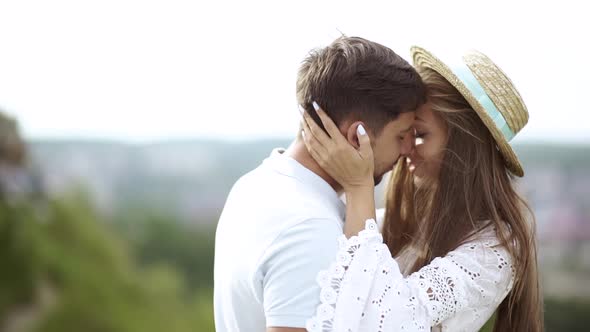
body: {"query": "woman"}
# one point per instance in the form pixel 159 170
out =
pixel 462 237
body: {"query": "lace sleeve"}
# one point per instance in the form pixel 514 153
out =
pixel 365 291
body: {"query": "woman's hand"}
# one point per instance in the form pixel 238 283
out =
pixel 350 167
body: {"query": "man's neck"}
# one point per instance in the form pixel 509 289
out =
pixel 299 152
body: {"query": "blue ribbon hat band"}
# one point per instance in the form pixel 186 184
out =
pixel 466 76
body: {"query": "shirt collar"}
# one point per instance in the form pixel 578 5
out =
pixel 288 166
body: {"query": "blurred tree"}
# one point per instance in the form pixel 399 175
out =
pixel 12 147
pixel 156 238
pixel 95 283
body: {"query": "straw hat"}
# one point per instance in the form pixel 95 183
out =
pixel 489 91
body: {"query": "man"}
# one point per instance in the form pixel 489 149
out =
pixel 281 221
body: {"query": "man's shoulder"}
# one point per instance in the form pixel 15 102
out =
pixel 307 243
pixel 323 223
pixel 260 178
pixel 309 232
pixel 266 186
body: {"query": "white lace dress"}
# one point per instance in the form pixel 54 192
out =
pixel 364 289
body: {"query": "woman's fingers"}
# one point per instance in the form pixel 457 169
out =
pixel 314 129
pixel 365 149
pixel 330 126
pixel 311 142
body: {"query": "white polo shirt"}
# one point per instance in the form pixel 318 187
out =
pixel 278 229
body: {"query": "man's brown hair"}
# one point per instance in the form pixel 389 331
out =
pixel 360 80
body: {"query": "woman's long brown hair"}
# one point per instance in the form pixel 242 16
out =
pixel 474 189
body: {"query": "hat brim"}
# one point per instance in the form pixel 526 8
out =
pixel 424 59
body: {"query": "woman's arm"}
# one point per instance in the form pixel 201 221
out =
pixel 360 206
pixel 364 290
pixel 352 168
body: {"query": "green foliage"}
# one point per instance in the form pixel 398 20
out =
pixel 97 284
pixel 560 315
pixel 567 314
pixel 159 239
pixel 489 326
pixel 21 265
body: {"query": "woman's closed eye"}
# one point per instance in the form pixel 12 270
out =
pixel 419 136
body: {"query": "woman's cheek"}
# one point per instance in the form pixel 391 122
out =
pixel 419 152
pixel 424 150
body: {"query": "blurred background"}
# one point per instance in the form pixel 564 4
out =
pixel 124 124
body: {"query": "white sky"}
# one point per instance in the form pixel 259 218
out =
pixel 146 70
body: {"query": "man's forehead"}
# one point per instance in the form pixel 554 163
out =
pixel 405 131
pixel 403 123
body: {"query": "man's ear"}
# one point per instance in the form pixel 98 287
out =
pixel 351 133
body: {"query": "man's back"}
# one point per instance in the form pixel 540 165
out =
pixel 278 229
